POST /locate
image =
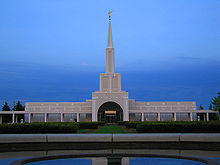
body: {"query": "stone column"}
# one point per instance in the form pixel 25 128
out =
pixel 16 118
pixel 204 117
pixel 126 112
pixel 207 116
pixel 62 117
pixel 174 116
pixel 78 117
pixel 13 117
pixel 94 113
pixel 46 117
pixel 191 116
pixel 142 116
pixel 158 116
pixel 29 117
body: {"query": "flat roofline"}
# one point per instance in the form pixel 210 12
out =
pixel 55 102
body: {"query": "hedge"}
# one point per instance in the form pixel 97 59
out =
pixel 132 124
pixel 49 127
pixel 121 122
pixel 179 127
pixel 18 128
pixel 101 123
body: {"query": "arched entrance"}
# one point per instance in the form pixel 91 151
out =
pixel 110 112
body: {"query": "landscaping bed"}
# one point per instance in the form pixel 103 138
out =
pixel 179 127
pixel 33 128
pixel 121 127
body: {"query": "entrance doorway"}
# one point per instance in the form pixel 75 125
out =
pixel 110 112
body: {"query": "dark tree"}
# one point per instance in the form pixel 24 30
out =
pixel 216 102
pixel 201 107
pixel 18 107
pixel 6 107
pixel 6 118
pixel 210 107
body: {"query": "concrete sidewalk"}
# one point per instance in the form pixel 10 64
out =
pixel 110 138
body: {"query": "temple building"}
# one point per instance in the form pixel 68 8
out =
pixel 110 103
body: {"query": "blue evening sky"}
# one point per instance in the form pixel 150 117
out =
pixel 54 50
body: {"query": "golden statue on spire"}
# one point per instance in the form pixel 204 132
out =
pixel 109 13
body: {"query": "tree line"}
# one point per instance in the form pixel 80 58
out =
pixel 214 105
pixel 17 107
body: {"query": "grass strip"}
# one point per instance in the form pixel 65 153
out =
pixel 84 131
pixel 110 129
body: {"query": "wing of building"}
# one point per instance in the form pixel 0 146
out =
pixel 111 104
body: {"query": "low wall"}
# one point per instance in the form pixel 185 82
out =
pixel 110 138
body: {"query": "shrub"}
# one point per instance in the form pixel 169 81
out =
pixel 18 128
pixel 213 116
pixel 132 124
pixel 179 127
pixel 121 122
pixel 100 123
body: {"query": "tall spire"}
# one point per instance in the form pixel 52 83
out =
pixel 110 44
pixel 110 59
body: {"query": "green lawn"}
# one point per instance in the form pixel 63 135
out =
pixel 84 131
pixel 110 129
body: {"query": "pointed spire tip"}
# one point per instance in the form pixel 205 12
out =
pixel 110 44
